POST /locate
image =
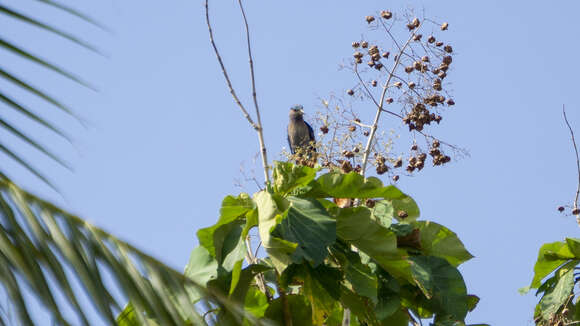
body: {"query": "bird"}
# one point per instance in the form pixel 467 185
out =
pixel 300 133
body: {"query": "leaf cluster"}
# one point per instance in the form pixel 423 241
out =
pixel 376 259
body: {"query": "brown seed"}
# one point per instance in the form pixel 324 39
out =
pixel 357 55
pixel 355 44
pixel 437 86
pixel 351 128
pixel 386 14
pixel 444 67
pixel 356 150
pixel 370 203
pixel 357 120
pixel 370 19
pixel 357 168
pixel 409 69
pixel 347 154
pixel 447 60
pixel 576 211
pixel 324 129
pixel 395 178
pixel 410 26
pixel 398 84
pixel 374 83
pixel 431 39
pixel 561 209
pixel 378 66
pixel 425 59
pixel 371 63
pixel 411 85
pixel 366 133
pixel 386 55
pixel 382 168
pixel 364 44
pixel 417 65
pixel 436 143
pixel 350 92
pixel 389 100
pixel 398 163
pixel 346 167
pixel 450 102
pixel 402 214
pixel 410 168
pixel 358 60
pixel 376 57
pixel 414 147
pixel 438 43
pixel 422 156
pixel 444 26
pixel 442 74
pixel 416 22
pixel 448 49
pixel 417 37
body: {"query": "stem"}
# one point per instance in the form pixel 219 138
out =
pixel 577 162
pixel 285 306
pixel 259 128
pixel 375 124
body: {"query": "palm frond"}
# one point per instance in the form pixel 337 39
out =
pixel 40 242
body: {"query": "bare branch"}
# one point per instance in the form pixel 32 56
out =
pixel 380 106
pixel 224 71
pixel 577 159
pixel 259 127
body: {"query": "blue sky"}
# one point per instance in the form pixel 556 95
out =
pixel 166 141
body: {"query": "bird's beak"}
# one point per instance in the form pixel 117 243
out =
pixel 301 111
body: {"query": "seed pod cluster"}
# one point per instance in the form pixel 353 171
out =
pixel 434 99
pixel 438 157
pixel 381 165
pixel 420 116
pixel 386 14
pixel 416 162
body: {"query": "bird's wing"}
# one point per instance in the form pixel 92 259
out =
pixel 310 131
pixel 290 145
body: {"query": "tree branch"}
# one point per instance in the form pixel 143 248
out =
pixel 577 159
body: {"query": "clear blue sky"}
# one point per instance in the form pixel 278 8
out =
pixel 166 140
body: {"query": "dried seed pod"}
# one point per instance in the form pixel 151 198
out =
pixel 438 43
pixel 409 69
pixel 436 70
pixel 450 102
pixel 378 66
pixel 440 98
pixel 448 49
pixel 369 19
pixel 370 203
pixel 389 100
pixel 561 209
pixel 417 37
pixel 436 143
pixel 437 86
pixel 417 65
pixel 371 63
pixel 358 60
pixel 324 129
pixel 373 49
pixel 364 44
pixel 386 14
pixel 411 85
pixel 386 55
pixel 351 128
pixel 374 83
pixel 398 163
pixel 434 152
pixel 444 26
pixel 447 59
pixel 410 168
pixel 576 211
pixel 438 119
pixel 348 154
pixel 412 160
pixel 381 159
pixel 419 165
pixel 431 39
pixel 376 57
pixel 410 27
pixel 350 92
pixel 416 22
pixel 395 178
pixel 425 59
pixel 422 156
pixel 355 44
pixel 356 149
pixel 357 55
pixel 357 120
pixel 382 168
pixel 345 166
pixel 357 168
pixel 442 74
pixel 398 84
pixel 414 147
pixel 366 133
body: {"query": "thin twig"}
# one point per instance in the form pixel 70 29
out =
pixel 577 159
pixel 360 124
pixel 380 106
pixel 259 128
pixel 224 71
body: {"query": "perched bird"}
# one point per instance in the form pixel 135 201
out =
pixel 300 133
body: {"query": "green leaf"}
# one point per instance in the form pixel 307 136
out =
pixel 559 294
pixel 307 224
pixel 269 217
pixel 256 302
pixel 399 318
pixel 361 278
pixel 442 283
pixel 389 209
pixel 472 301
pixel 301 313
pixel 439 241
pixel 574 246
pixel 351 185
pixel 550 256
pixel 288 176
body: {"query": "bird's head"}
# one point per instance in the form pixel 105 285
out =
pixel 296 112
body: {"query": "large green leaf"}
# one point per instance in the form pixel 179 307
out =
pixel 351 185
pixel 299 306
pixel 551 255
pixel 443 284
pixel 287 176
pixel 437 240
pixel 307 224
pixel 559 293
